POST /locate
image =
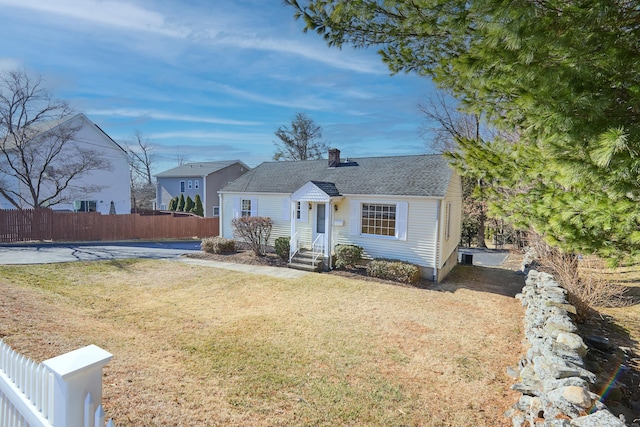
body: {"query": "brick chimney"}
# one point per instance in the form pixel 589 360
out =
pixel 334 157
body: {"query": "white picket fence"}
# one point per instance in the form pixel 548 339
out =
pixel 59 392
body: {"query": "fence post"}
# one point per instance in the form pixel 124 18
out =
pixel 76 374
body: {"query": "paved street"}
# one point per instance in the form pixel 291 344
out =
pixel 51 253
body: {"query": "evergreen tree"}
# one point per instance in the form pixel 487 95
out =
pixel 198 209
pixel 173 204
pixel 181 203
pixel 563 75
pixel 189 205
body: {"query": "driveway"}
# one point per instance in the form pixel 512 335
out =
pixel 485 257
pixel 46 253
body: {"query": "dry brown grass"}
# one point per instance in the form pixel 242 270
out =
pixel 200 346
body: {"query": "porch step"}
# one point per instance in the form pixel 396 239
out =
pixel 304 261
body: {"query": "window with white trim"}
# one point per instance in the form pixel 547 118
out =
pixel 298 208
pixel 245 209
pixel 378 219
pixel 216 211
pixel 190 184
pixel 196 184
pixel 182 186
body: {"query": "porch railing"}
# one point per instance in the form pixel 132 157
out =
pixel 317 249
pixel 294 246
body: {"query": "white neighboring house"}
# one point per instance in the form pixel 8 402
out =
pixel 406 207
pixel 111 186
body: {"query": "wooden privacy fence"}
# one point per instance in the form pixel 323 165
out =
pixel 46 224
pixel 59 392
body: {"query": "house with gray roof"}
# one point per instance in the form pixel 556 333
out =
pixel 403 207
pixel 203 178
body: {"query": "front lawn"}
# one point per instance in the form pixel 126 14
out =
pixel 199 346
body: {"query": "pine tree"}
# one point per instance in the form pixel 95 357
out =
pixel 198 209
pixel 189 205
pixel 563 75
pixel 181 203
pixel 173 204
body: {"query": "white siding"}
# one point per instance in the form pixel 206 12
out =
pixel 419 246
pixel 268 205
pixel 454 198
pixel 115 182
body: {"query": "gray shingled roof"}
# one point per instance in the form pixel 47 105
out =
pixel 420 175
pixel 197 169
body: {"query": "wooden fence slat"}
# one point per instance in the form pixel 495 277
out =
pixel 45 224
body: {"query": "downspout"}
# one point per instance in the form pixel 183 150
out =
pixel 437 242
pixel 330 233
pixel 204 197
pixel 220 222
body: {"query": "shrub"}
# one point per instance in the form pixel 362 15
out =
pixel 398 271
pixel 181 203
pixel 282 247
pixel 584 279
pixel 347 255
pixel 255 231
pixel 218 245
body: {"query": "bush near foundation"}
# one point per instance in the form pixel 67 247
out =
pixel 218 245
pixel 282 247
pixel 347 255
pixel 398 271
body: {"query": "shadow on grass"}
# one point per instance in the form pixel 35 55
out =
pixel 498 281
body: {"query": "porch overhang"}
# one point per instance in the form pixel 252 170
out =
pixel 317 192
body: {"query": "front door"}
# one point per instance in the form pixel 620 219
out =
pixel 319 223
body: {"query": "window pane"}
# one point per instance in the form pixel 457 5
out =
pixel 378 219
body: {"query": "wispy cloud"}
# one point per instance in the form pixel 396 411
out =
pixel 111 12
pixel 9 64
pixel 305 102
pixel 228 136
pixel 157 115
pixel 129 16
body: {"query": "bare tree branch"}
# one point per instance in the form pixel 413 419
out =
pixel 303 141
pixel 40 162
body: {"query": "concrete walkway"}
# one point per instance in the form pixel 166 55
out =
pixel 265 270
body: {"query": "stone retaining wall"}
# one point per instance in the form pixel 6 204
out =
pixel 555 386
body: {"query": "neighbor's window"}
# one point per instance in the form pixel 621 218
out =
pixel 190 184
pixel 182 186
pixel 246 207
pixel 298 205
pixel 216 211
pixel 378 219
pixel 196 184
pixel 85 205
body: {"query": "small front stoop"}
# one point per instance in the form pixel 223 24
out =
pixel 304 261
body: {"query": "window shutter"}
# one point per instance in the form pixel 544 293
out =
pixel 236 207
pixel 402 209
pixel 286 209
pixel 354 226
pixel 304 211
pixel 254 206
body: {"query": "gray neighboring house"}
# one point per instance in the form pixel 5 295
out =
pixel 403 207
pixel 203 178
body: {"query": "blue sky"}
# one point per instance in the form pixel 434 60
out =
pixel 210 80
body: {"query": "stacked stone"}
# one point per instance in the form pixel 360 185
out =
pixel 554 383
